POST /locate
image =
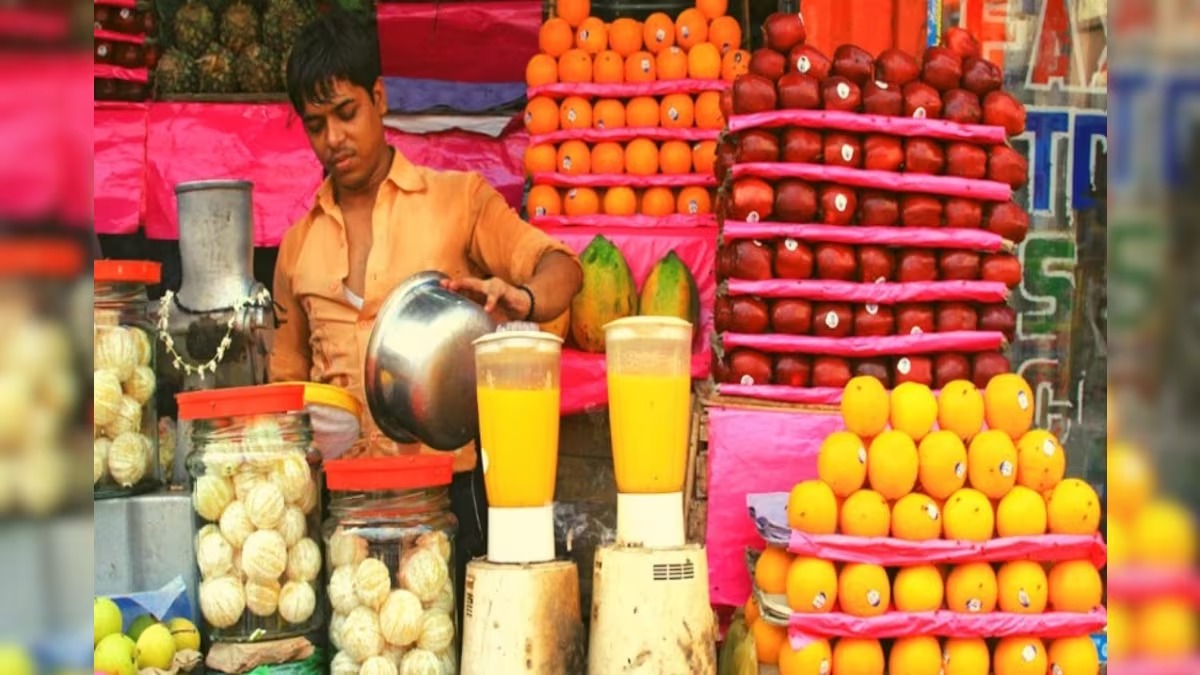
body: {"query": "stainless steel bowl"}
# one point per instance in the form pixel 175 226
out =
pixel 420 365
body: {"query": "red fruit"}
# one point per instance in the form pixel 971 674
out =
pixel 753 93
pixel 793 259
pixel 922 100
pixel 916 264
pixel 150 59
pixel 798 91
pixel 853 63
pixel 727 156
pixel 747 366
pixel 758 145
pixel 833 319
pixel 783 30
pixel 753 200
pixel 966 160
pixel 923 155
pixel 953 316
pixel 958 265
pixel 917 369
pixel 896 67
pixel 874 321
pixel 726 102
pixel 875 263
pixel 839 93
pixel 830 371
pixel 1002 267
pixel 102 17
pixel 883 153
pixel 792 316
pixel 999 318
pixel 881 98
pixel 941 69
pixel 920 211
pixel 842 149
pixel 149 23
pixel 914 319
pixel 129 55
pixel 960 105
pixel 980 76
pixel 749 259
pixel 793 370
pixel 741 314
pixel 1001 109
pixel 1008 166
pixel 802 146
pixel 768 63
pixel 795 201
pixel 950 367
pixel 810 60
pixel 878 208
pixel 838 205
pixel 961 42
pixel 836 261
pixel 1009 221
pixel 987 365
pixel 103 52
pixel 878 368
pixel 966 213
pixel 126 21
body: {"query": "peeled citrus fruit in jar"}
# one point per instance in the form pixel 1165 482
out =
pixel 865 406
pixel 842 463
pixel 1008 405
pixel 914 410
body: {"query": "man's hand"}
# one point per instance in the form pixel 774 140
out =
pixel 503 301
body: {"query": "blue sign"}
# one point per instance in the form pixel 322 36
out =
pixel 1086 131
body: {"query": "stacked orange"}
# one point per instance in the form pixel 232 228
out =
pixel 916 467
pixel 702 43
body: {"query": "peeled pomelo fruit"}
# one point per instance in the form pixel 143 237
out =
pixel 972 588
pixel 941 464
pixel 812 585
pixel 842 463
pixel 960 409
pixel 1008 405
pixel 919 588
pixel 812 508
pixel 865 406
pixel 864 590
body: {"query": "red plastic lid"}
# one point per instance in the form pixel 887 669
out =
pixel 403 472
pixel 41 257
pixel 130 271
pixel 240 401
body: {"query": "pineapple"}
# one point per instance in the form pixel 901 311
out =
pixel 256 70
pixel 195 27
pixel 215 70
pixel 175 73
pixel 282 22
pixel 239 27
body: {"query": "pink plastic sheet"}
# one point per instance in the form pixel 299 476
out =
pixel 641 222
pixel 626 134
pixel 923 237
pixel 802 628
pixel 891 552
pixel 1141 584
pixel 480 41
pixel 867 347
pixel 107 71
pixel 1141 665
pixel 599 180
pixel 776 392
pixel 949 186
pixel 628 90
pixel 871 124
pixel 116 3
pixel 113 36
pixel 752 451
pixel 119 166
pixel 501 161
pixel 883 293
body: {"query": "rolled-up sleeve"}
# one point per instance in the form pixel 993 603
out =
pixel 291 353
pixel 502 243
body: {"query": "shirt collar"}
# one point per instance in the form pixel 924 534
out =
pixel 404 175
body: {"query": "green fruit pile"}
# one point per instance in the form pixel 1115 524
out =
pixel 150 643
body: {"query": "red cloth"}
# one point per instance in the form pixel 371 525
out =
pixel 119 166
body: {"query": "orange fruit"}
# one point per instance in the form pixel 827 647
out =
pixel 1021 512
pixel 541 158
pixel 541 115
pixel 574 158
pixel 541 69
pixel 640 67
pixel 865 406
pixel 575 66
pixel 1164 533
pixel 864 590
pixel 971 588
pixel 915 655
pixel 1075 586
pixel 1116 539
pixel 658 202
pixel 555 37
pixel 842 462
pixel 966 656
pixel 752 612
pixel 1166 630
pixel 734 64
pixel 671 64
pixel 913 409
pixel 543 200
pixel 641 159
pixel 812 585
pixel 658 32
pixel 708 111
pixel 608 157
pixel 704 62
pixel 704 157
pixel 676 112
pixel 860 656
pixel 865 513
pixel 1041 461
pixel 892 464
pixel 592 35
pixel 581 202
pixel 968 516
pixel 625 36
pixel 919 588
pixel 608 68
pixel 712 9
pixel 1073 507
pixel 642 112
pixel 693 201
pixel 960 409
pixel 1121 631
pixel 1073 656
pixel 691 28
pixel 768 640
pixel 575 113
pixel 1008 404
pixel 1020 656
pixel 1023 588
pixel 771 571
pixel 1130 479
pixel 916 517
pixel 812 508
pixel 574 12
pixel 726 33
pixel 608 113
pixel 941 464
pixel 814 658
pixel 992 463
pixel 620 201
pixel 675 158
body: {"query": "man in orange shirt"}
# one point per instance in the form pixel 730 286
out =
pixel 377 220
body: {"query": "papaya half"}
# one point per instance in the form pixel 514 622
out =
pixel 608 294
pixel 670 290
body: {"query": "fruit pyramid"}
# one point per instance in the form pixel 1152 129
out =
pixel 965 466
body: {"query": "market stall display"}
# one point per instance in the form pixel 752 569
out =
pixel 123 51
pixel 129 644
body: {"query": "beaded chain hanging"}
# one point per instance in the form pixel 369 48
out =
pixel 260 299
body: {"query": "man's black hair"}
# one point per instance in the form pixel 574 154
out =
pixel 340 45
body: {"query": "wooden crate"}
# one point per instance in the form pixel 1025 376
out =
pixel 695 495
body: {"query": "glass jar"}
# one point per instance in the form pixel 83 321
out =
pixel 257 503
pixel 390 536
pixel 125 457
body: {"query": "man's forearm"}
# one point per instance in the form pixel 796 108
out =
pixel 554 284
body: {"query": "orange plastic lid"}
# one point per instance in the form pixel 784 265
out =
pixel 240 401
pixel 130 271
pixel 41 257
pixel 403 472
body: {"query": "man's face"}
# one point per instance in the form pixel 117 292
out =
pixel 347 132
